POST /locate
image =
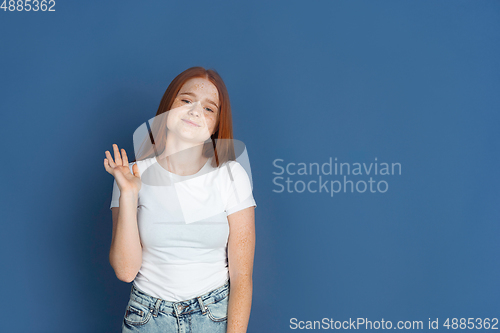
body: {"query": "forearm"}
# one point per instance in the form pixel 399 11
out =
pixel 125 254
pixel 240 303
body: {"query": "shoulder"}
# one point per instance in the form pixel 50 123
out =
pixel 142 164
pixel 235 171
pixel 229 167
pixel 233 165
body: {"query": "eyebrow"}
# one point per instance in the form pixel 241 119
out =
pixel 194 95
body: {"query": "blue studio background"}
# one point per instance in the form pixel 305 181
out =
pixel 409 82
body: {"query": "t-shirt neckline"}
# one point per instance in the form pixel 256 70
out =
pixel 187 176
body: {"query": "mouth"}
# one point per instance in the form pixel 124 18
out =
pixel 191 123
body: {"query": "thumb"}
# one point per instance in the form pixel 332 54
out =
pixel 135 169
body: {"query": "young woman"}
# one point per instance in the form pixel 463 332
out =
pixel 183 216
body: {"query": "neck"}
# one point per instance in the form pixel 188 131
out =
pixel 182 158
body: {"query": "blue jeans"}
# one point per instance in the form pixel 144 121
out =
pixel 206 313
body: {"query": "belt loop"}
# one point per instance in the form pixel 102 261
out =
pixel 203 307
pixel 157 307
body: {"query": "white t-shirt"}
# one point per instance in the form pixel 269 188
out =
pixel 183 226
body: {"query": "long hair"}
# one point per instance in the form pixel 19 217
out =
pixel 220 143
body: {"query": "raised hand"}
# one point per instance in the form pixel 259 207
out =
pixel 120 169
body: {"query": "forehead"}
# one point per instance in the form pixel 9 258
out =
pixel 200 85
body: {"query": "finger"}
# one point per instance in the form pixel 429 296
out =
pixel 110 159
pixel 135 169
pixel 118 158
pixel 106 165
pixel 124 157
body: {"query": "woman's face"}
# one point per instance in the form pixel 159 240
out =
pixel 195 111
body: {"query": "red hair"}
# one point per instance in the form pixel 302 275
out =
pixel 224 149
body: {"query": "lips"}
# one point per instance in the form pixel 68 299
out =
pixel 191 123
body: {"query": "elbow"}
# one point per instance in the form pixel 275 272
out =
pixel 122 274
pixel 125 278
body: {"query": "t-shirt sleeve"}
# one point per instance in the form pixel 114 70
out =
pixel 115 196
pixel 240 194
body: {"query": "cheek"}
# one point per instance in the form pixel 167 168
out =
pixel 172 115
pixel 176 104
pixel 211 120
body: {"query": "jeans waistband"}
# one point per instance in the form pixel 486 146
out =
pixel 181 307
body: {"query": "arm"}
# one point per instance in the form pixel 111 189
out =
pixel 125 255
pixel 241 248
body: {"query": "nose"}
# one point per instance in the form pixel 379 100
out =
pixel 195 110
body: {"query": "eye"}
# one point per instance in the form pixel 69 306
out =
pixel 186 101
pixel 209 109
